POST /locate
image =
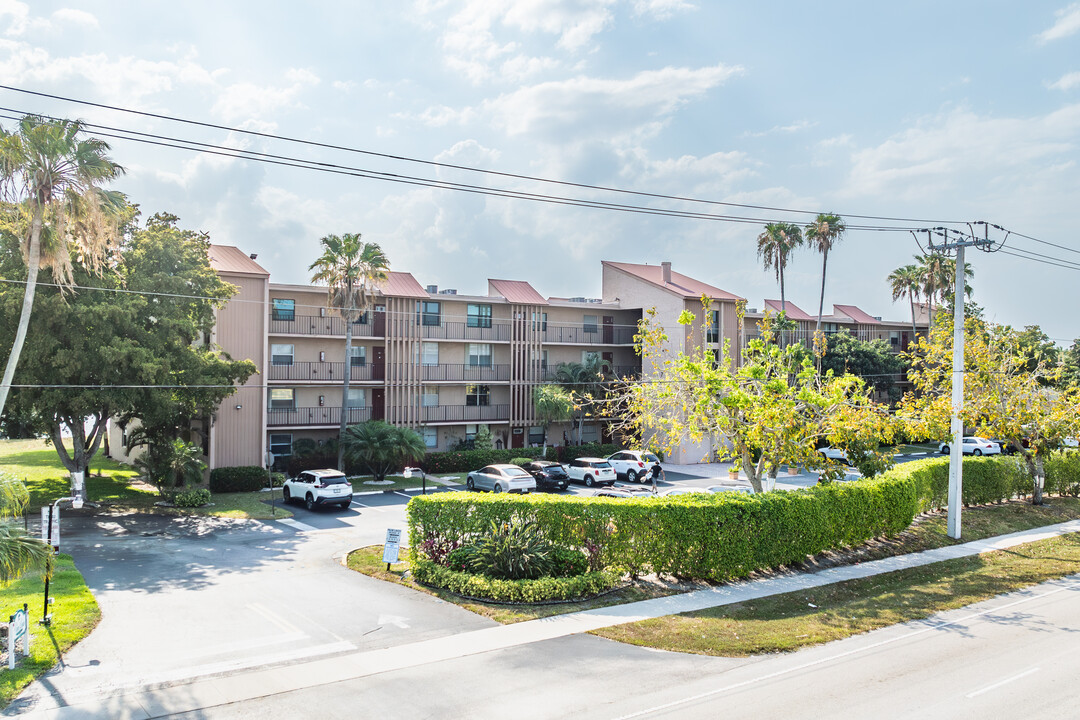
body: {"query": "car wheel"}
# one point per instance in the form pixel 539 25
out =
pixel 309 502
pixel 976 452
pixel 588 481
pixel 469 484
pixel 498 488
pixel 944 449
pixel 286 496
pixel 631 476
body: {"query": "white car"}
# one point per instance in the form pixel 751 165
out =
pixel 635 465
pixel 684 491
pixel 318 487
pixel 834 453
pixel 501 478
pixel 730 488
pixel 974 446
pixel 591 471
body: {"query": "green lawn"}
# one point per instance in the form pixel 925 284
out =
pixel 74 614
pixel 810 617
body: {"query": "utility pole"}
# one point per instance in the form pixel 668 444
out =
pixel 956 456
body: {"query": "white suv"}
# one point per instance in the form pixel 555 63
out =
pixel 591 471
pixel 634 464
pixel 319 487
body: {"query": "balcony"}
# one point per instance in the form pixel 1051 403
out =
pixel 463 413
pixel 633 372
pixel 589 334
pixel 329 416
pixel 465 373
pixel 325 371
pixel 319 325
pixel 444 330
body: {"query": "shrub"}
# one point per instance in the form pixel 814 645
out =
pixel 468 460
pixel 242 478
pixel 568 563
pixel 513 550
pixel 458 559
pixel 546 589
pixel 196 497
pixel 1063 473
pixel 520 460
pixel 570 452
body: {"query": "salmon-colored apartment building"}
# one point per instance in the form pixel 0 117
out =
pixel 446 363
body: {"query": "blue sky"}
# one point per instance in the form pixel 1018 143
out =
pixel 950 111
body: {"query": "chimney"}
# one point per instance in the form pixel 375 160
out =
pixel 666 268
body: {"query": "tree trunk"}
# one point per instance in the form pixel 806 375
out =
pixel 783 304
pixel 33 264
pixel 821 300
pixel 345 392
pixel 1040 480
pixel 914 330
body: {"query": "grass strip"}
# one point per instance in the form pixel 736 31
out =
pixel 809 617
pixel 74 614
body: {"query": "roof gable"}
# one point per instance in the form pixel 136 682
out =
pixel 231 259
pixel 681 285
pixel 856 314
pixel 515 291
pixel 794 312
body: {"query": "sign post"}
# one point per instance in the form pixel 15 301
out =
pixel 18 629
pixel 50 526
pixel 391 546
pixel 270 481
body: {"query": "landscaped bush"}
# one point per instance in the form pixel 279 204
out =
pixel 521 460
pixel 986 479
pixel 571 452
pixel 196 497
pixel 1063 473
pixel 515 591
pixel 242 478
pixel 469 460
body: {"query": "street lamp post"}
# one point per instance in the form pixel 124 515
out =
pixel 76 503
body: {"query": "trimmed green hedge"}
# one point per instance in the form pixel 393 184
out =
pixel 716 537
pixel 513 591
pixel 242 478
pixel 570 452
pixel 469 460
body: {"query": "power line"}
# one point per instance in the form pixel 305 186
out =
pixel 403 158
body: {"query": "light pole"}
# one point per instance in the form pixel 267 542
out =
pixel 76 503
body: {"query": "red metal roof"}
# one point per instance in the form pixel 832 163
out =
pixel 516 291
pixel 794 312
pixel 402 284
pixel 856 314
pixel 680 284
pixel 231 259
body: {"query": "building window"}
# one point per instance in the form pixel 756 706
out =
pixel 830 328
pixel 358 355
pixel 357 397
pixel 894 337
pixel 282 399
pixel 539 358
pixel 281 354
pixel 428 313
pixel 362 319
pixel 284 309
pixel 536 435
pixel 479 355
pixel 429 396
pixel 479 316
pixel 713 335
pixel 426 354
pixel 431 437
pixel 589 434
pixel 716 358
pixel 590 324
pixel 470 432
pixel 477 395
pixel 281 445
pixel 539 321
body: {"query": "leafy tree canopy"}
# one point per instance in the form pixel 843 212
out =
pixel 873 361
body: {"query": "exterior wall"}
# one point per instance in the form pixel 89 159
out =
pixel 236 436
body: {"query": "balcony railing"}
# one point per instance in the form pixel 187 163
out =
pixel 590 334
pixel 550 373
pixel 312 371
pixel 499 331
pixel 465 373
pixel 463 413
pixel 286 417
pixel 319 325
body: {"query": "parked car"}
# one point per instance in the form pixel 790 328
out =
pixel 623 492
pixel 548 475
pixel 1005 446
pixel 974 446
pixel 834 453
pixel 500 478
pixel 634 465
pixel 684 491
pixel 318 487
pixel 730 488
pixel 591 471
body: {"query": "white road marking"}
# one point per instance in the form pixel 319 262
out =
pixel 273 617
pixel 211 650
pixel 396 620
pixel 296 524
pixel 998 684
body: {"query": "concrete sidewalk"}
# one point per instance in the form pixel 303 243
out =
pixel 149 702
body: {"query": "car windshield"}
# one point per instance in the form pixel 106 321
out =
pixel 515 472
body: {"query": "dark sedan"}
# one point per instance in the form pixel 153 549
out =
pixel 550 476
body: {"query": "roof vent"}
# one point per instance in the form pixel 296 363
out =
pixel 665 268
pixel 433 289
pixel 253 255
pixel 878 318
pixel 448 291
pixel 751 310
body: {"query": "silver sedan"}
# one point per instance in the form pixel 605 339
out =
pixel 501 478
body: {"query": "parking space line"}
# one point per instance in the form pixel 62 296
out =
pixel 296 524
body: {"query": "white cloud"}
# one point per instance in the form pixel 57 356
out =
pixel 17 16
pixel 585 104
pixel 660 9
pixel 242 101
pixel 784 129
pixel 75 17
pixel 1067 23
pixel 1067 81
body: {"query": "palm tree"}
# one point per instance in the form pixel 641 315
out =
pixel 351 270
pixel 381 447
pixel 821 235
pixel 551 403
pixel 19 551
pixel 584 381
pixel 938 275
pixel 907 280
pixel 773 247
pixel 55 177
